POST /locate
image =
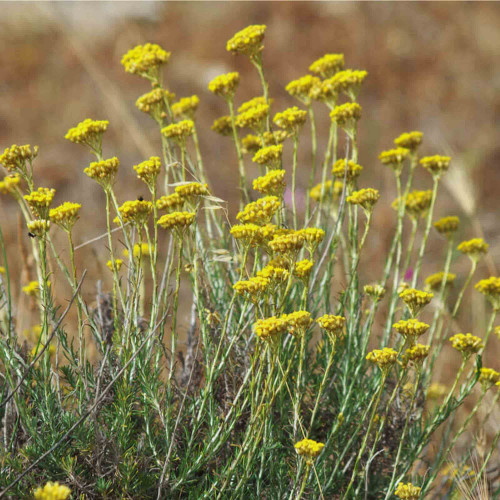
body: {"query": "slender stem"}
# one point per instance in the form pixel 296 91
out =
pixel 314 147
pixel 241 164
pixel 294 172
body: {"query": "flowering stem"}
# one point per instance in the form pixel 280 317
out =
pixel 299 382
pixel 304 480
pixel 326 162
pixel 75 289
pixel 314 147
pixel 411 242
pixel 257 62
pixel 294 172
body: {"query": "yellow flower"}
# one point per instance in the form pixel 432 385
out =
pixel 353 170
pixel 153 102
pixel 447 225
pixel 328 65
pixel 118 264
pixel 366 198
pixel 288 243
pixel 474 249
pixel 274 138
pixel 9 184
pixel 148 170
pixel 394 158
pixel 172 202
pixel 348 81
pixel 145 60
pixel 39 201
pixel 488 378
pixel 251 144
pixel 467 344
pixel 16 156
pixel 136 211
pixel 436 391
pixel 246 232
pixel 186 107
pixel 270 328
pixel 255 287
pixel 407 491
pixel 303 268
pixel 225 85
pixel 2 270
pixel 254 118
pixel 409 140
pixel 272 183
pixel 223 126
pixel 301 87
pixel 383 358
pixel 434 281
pixel 326 189
pixel 411 329
pixel 274 274
pixel 313 236
pixel 103 172
pixel 52 491
pixel 436 164
pixel 377 292
pixel 490 287
pixel 177 220
pixel 291 120
pixel 140 250
pixel 416 354
pixel 347 116
pixel 39 227
pixel 65 215
pixel 269 155
pixel 253 103
pixel 260 211
pixel 32 289
pixel 88 132
pixel 333 325
pixel 497 331
pixel 298 322
pixel 192 189
pixel 417 203
pixel 415 299
pixel 309 449
pixel 179 131
pixel 248 41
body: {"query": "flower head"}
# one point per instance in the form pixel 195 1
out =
pixel 65 215
pixel 117 266
pixel 301 88
pixel 148 171
pixel 417 203
pixel 407 491
pixel 9 184
pixel 255 287
pixel 225 85
pixel 434 281
pixel 177 220
pixel 39 227
pixel 365 198
pixel 103 172
pixel 270 328
pixel 411 329
pixel 186 107
pixel 490 287
pixel 309 449
pixel 253 118
pixel 324 190
pixel 153 102
pixel 436 391
pixel 250 233
pixel 383 358
pixel 260 211
pixel 179 131
pixel 275 274
pixel 298 322
pixel 291 120
pixel 52 491
pixel 467 344
pixel 415 300
pixel 313 237
pixel 269 156
pixel 488 378
pixel 416 354
pixel 349 82
pixel 346 116
pixel 248 41
pixel 474 248
pixel 136 211
pixel 88 132
pixel 253 103
pixel 303 269
pixel 273 183
pixel 251 144
pixel 394 158
pixel 447 225
pixel 139 251
pixel 348 169
pixel 328 65
pixel 145 60
pixel 436 164
pixel 16 157
pixel 40 200
pixel 333 325
pixel 31 289
pixel 409 140
pixel 290 243
pixel 376 291
pixel 172 202
pixel 223 126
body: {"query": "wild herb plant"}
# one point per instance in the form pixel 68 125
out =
pixel 276 391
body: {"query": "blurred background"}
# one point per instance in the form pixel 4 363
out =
pixel 432 66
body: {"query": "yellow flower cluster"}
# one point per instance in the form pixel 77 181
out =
pixel 140 250
pixel 247 41
pixel 467 344
pixel 186 107
pixel 253 103
pixel 394 158
pixel 179 131
pixel 172 202
pixel 297 322
pixel 88 132
pixel 16 156
pixel 490 287
pixel 251 144
pixel 275 137
pixel 176 220
pixel 407 491
pixel 346 115
pixel 417 203
pixel 416 354
pixel 447 225
pixel 313 236
pixel 434 281
pixel 383 358
pixel 254 287
pixel 136 211
pixel 104 171
pixel 65 215
pixel 118 264
pixel 352 172
pixel 225 85
pixel 436 391
pixel 10 183
pixel 473 248
pixel 303 268
pixel 148 170
pixel 153 102
pixel 488 378
pixel 223 126
pixel 31 289
pixel 348 81
pixel 39 227
pixel 333 325
pixel 144 60
pixel 328 65
pixel 436 164
pixel 411 329
pixel 288 243
pixel 274 273
pixel 270 328
pixel 308 448
pixel 273 183
pixel 315 192
pixel 301 88
pixel 366 198
pixel 246 232
pixel 52 491
pixel 291 120
pixel 415 299
pixel 269 155
pixel 260 211
pixel 254 118
pixel 409 140
pixel 377 292
pixel 39 201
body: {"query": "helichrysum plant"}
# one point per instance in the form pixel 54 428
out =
pixel 296 378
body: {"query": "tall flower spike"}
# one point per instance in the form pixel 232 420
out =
pixel 145 60
pixel 248 41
